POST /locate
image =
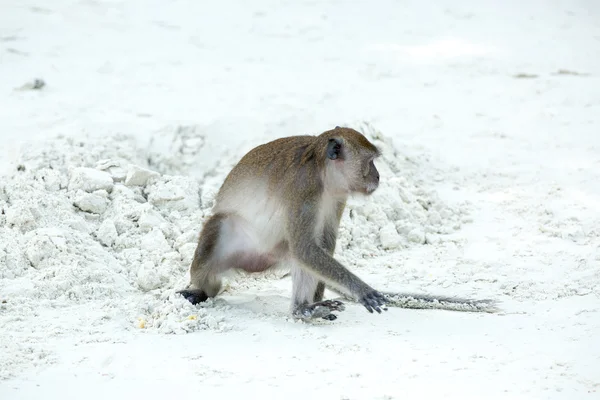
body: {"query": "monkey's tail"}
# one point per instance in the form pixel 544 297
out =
pixel 418 301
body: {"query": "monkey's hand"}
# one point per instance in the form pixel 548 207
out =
pixel 373 300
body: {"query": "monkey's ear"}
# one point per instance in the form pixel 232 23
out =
pixel 334 149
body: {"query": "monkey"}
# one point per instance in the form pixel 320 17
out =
pixel 282 203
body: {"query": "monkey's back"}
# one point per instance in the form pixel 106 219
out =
pixel 268 167
pixel 259 187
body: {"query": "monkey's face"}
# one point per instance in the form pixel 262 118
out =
pixel 354 166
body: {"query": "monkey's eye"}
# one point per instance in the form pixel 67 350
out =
pixel 370 166
pixel 367 168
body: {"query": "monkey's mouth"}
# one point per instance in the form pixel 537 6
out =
pixel 371 188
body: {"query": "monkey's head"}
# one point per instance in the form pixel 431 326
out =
pixel 349 162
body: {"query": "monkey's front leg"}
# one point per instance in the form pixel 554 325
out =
pixel 304 307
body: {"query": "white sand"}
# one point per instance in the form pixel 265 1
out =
pixel 488 119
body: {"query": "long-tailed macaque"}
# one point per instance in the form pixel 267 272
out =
pixel 282 203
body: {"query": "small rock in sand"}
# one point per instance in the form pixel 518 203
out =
pixel 138 176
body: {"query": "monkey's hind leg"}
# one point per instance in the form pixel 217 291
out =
pixel 320 309
pixel 204 271
pixel 307 297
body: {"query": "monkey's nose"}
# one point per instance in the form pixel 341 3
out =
pixel 377 177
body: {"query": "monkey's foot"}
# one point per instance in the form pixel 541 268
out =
pixel 373 301
pixel 321 309
pixel 194 296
